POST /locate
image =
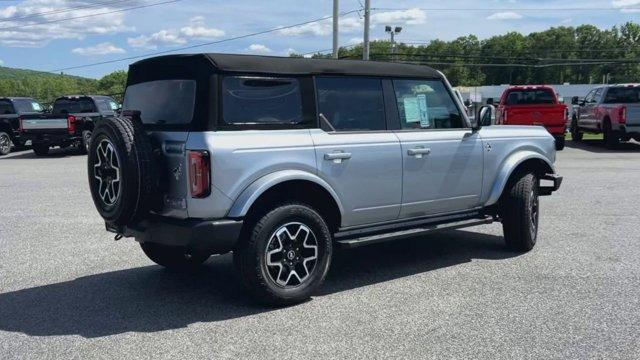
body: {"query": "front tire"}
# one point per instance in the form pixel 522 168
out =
pixel 40 149
pixel 85 142
pixel 173 257
pixel 285 255
pixel 560 142
pixel 5 144
pixel 520 213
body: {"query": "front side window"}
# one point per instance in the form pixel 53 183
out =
pixel 622 95
pixel 350 104
pixel 248 100
pixel 426 104
pixel 27 106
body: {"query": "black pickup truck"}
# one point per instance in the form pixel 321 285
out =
pixel 12 109
pixel 70 122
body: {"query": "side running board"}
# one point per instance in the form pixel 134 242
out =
pixel 403 234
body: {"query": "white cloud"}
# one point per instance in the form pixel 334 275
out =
pixel 258 49
pixel 399 17
pixel 33 23
pixel 196 30
pixel 354 24
pixel 105 48
pixel 506 15
pixel 625 3
pixel 290 51
pixel 1 62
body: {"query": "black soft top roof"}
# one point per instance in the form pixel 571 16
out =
pixel 153 68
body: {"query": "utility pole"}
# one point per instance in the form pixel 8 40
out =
pixel 336 29
pixel 367 20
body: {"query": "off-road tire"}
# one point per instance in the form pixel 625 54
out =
pixel 250 255
pixel 40 149
pixel 576 135
pixel 174 257
pixel 610 138
pixel 85 142
pixel 138 172
pixel 520 212
pixel 560 143
pixel 5 143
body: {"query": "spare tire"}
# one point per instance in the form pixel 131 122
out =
pixel 123 176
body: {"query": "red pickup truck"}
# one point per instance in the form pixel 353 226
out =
pixel 534 105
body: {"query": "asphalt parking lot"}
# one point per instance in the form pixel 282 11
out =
pixel 67 290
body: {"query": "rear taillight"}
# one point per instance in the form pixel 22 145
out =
pixel 199 173
pixel 504 117
pixel 622 115
pixel 71 124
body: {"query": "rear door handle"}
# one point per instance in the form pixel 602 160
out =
pixel 337 156
pixel 418 152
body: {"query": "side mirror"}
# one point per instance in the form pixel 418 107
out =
pixel 489 101
pixel 467 103
pixel 575 100
pixel 484 116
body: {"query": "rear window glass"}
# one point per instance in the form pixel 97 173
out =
pixel 261 101
pixel 169 102
pixel 530 97
pixel 5 107
pixel 74 106
pixel 622 95
pixel 27 106
pixel 107 105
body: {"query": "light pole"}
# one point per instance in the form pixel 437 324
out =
pixel 393 31
pixel 336 20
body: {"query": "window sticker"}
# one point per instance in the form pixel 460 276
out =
pixel 424 111
pixel 411 110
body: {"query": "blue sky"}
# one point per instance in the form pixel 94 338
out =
pixel 52 41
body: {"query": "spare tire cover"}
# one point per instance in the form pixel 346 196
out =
pixel 122 172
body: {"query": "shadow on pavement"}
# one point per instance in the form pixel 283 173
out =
pixel 596 146
pixel 150 299
pixel 53 153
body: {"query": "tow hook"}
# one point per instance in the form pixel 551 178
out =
pixel 118 237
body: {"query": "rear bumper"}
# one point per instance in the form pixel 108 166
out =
pixel 548 190
pixel 215 236
pixel 50 138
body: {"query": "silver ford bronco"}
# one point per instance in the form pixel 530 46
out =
pixel 281 160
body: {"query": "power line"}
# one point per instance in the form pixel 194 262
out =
pixel 510 9
pixel 203 44
pixel 63 10
pixel 89 15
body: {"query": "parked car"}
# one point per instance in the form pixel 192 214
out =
pixel 281 159
pixel 11 110
pixel 534 105
pixel 69 124
pixel 611 110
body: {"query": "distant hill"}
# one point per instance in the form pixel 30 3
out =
pixel 46 87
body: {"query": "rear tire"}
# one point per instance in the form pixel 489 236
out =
pixel 85 142
pixel 5 144
pixel 284 256
pixel 560 143
pixel 520 213
pixel 173 257
pixel 610 138
pixel 40 149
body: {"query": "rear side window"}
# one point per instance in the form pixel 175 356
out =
pixel 5 107
pixel 107 105
pixel 350 104
pixel 249 100
pixel 622 95
pixel 74 106
pixel 162 102
pixel 426 104
pixel 530 97
pixel 27 106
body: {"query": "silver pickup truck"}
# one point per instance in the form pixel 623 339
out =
pixel 281 160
